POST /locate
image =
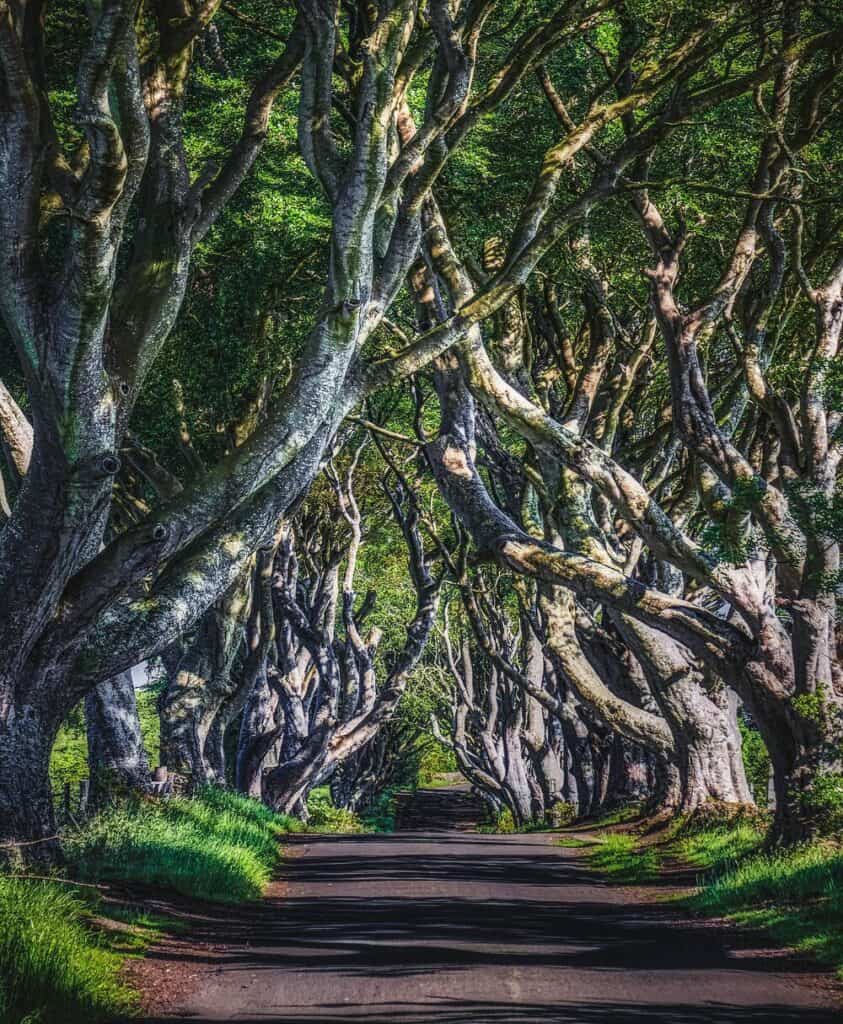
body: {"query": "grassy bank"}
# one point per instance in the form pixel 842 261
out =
pixel 794 895
pixel 61 950
pixel 54 966
pixel 217 846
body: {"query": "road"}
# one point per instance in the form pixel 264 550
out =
pixel 478 929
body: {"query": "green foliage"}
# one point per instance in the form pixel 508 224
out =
pixel 795 894
pixel 217 846
pixel 560 815
pixel 436 760
pixel 325 817
pixel 380 817
pixel 811 706
pixel 756 762
pixel 53 966
pixel 69 757
pixel 824 802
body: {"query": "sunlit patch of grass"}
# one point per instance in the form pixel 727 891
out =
pixel 621 815
pixel 716 848
pixel 574 843
pixel 796 895
pixel 619 857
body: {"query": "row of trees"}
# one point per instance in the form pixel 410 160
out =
pixel 579 261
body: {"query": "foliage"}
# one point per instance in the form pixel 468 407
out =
pixel 380 817
pixel 561 814
pixel 53 966
pixel 756 762
pixel 824 799
pixel 325 817
pixel 217 846
pixel 436 760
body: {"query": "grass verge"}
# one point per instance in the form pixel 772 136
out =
pixel 794 895
pixel 217 846
pixel 61 950
pixel 54 966
pixel 619 856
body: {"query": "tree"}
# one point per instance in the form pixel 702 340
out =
pixel 98 233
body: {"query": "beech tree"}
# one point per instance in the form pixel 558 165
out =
pixel 102 219
pixel 97 239
pixel 733 623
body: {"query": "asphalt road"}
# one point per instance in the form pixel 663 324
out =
pixel 469 929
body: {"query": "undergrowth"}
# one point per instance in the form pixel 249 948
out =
pixel 325 817
pixel 217 846
pixel 560 815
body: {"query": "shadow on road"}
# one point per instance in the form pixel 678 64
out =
pixel 469 1012
pixel 353 934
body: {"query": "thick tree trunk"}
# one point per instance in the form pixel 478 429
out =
pixel 27 734
pixel 201 685
pixel 696 707
pixel 261 726
pixel 117 760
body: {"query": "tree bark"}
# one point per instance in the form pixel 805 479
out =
pixel 117 759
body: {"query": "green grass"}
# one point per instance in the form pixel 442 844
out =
pixel 796 895
pixel 621 815
pixel 217 846
pixel 575 843
pixel 53 965
pixel 619 857
pixel 717 848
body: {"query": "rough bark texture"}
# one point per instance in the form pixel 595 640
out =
pixel 117 759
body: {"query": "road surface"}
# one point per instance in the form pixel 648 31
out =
pixel 477 929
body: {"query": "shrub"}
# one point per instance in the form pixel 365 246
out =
pixel 824 800
pixel 52 966
pixel 325 817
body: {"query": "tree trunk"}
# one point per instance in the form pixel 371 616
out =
pixel 202 683
pixel 261 726
pixel 117 760
pixel 27 734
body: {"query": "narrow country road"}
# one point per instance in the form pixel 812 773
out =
pixel 466 929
